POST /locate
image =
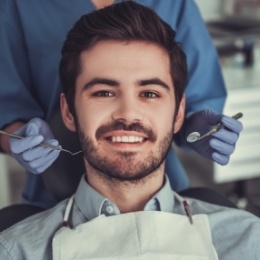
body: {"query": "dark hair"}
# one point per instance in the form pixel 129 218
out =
pixel 125 21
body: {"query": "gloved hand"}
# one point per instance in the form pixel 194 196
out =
pixel 220 145
pixel 27 152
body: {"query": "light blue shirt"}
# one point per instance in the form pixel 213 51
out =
pixel 235 233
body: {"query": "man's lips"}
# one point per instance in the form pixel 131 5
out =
pixel 117 128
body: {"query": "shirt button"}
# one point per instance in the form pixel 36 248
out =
pixel 110 209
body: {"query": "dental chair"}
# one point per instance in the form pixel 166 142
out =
pixel 62 178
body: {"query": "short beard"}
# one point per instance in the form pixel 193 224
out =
pixel 124 168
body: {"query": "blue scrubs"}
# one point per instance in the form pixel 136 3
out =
pixel 31 37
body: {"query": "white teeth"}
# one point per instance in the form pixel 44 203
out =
pixel 124 139
pixel 131 139
pixel 138 139
pixel 127 139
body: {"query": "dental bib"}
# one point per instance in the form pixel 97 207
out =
pixel 138 235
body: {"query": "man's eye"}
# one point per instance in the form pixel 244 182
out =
pixel 103 93
pixel 149 95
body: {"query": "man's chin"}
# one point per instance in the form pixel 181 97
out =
pixel 125 170
pixel 126 177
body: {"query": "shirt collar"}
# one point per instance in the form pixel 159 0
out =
pixel 88 199
pixel 164 197
pixel 92 204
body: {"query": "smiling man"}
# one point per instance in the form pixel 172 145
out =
pixel 123 78
pixel 125 114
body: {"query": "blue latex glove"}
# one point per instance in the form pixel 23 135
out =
pixel 27 152
pixel 219 146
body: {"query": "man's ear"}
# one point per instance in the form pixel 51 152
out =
pixel 68 118
pixel 180 115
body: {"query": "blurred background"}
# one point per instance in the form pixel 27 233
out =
pixel 234 26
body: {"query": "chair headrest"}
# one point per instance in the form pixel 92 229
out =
pixel 62 177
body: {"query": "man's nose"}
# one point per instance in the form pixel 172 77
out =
pixel 127 109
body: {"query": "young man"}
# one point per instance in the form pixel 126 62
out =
pixel 123 79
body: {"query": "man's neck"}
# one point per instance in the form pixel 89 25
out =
pixel 128 196
pixel 102 3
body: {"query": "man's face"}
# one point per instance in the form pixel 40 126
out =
pixel 125 107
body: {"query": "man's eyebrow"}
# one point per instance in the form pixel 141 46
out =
pixel 98 81
pixel 153 81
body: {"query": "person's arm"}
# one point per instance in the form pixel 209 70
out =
pixel 17 101
pixel 205 91
pixel 205 87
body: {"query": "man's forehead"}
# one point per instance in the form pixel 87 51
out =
pixel 132 55
pixel 125 61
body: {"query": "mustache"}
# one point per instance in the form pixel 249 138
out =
pixel 119 125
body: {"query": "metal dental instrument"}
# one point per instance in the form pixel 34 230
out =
pixel 53 147
pixel 195 136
